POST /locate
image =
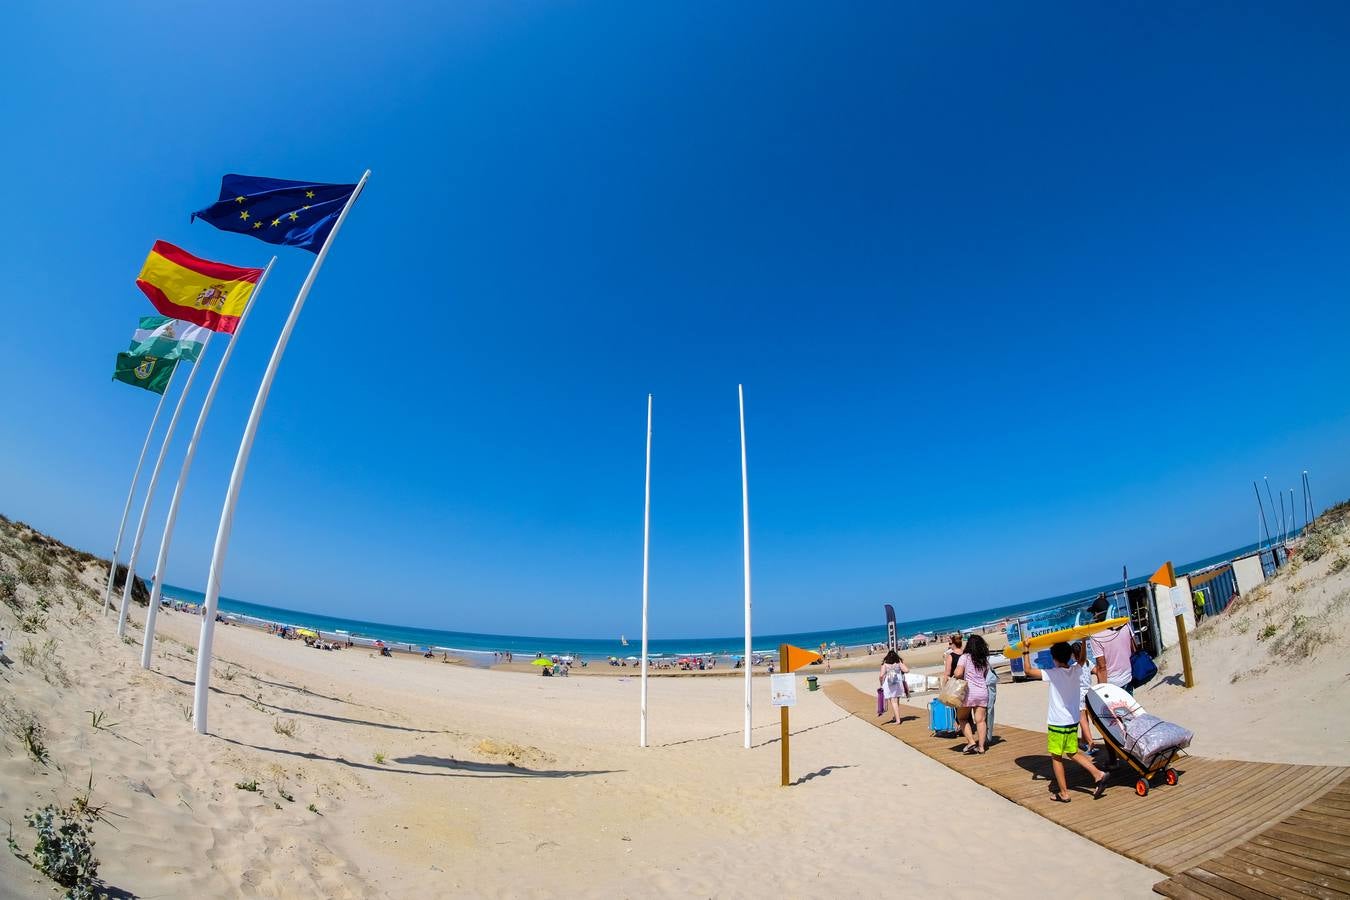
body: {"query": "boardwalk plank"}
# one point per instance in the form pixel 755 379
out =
pixel 1228 886
pixel 1267 879
pixel 1318 871
pixel 1310 857
pixel 1290 866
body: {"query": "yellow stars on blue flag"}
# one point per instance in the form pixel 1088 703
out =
pixel 297 213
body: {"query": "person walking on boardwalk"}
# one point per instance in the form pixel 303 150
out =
pixel 892 680
pixel 973 666
pixel 1061 716
pixel 1112 649
pixel 950 656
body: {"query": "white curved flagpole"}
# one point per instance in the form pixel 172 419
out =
pixel 745 518
pixel 199 694
pixel 646 543
pixel 148 643
pixel 131 494
pixel 150 492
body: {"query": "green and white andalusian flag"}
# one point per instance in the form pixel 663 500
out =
pixel 165 338
pixel 144 371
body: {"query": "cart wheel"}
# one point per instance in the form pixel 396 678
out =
pixel 1141 787
pixel 1171 776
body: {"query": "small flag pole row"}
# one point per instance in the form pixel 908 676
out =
pixel 162 560
pixel 131 495
pixel 150 490
pixel 203 680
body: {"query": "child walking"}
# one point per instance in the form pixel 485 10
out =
pixel 1065 681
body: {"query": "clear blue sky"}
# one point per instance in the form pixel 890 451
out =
pixel 1018 296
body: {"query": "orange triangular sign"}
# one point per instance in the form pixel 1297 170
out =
pixel 795 657
pixel 1165 575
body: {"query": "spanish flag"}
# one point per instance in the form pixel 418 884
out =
pixel 196 290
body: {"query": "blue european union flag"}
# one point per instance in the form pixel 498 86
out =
pixel 293 213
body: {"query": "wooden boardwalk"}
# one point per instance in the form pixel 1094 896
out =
pixel 1306 854
pixel 1221 814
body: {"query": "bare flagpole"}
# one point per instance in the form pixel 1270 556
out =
pixel 199 694
pixel 646 544
pixel 123 611
pixel 1262 507
pixel 131 494
pixel 745 520
pixel 1279 523
pixel 148 643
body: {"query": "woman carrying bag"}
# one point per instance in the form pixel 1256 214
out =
pixel 892 680
pixel 972 669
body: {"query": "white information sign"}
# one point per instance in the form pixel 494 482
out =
pixel 1178 601
pixel 783 690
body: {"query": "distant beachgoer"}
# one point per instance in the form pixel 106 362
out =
pixel 973 666
pixel 1198 598
pixel 1065 681
pixel 892 681
pixel 950 656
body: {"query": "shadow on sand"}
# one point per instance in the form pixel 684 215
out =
pixel 819 773
pixel 311 714
pixel 464 768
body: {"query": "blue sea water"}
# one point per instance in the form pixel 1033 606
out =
pixel 483 645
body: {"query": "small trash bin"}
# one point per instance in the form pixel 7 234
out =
pixel 811 683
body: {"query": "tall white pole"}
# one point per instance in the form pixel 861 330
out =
pixel 150 492
pixel 199 694
pixel 745 518
pixel 131 494
pixel 148 644
pixel 646 545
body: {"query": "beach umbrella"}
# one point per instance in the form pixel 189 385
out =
pixel 542 662
pixel 306 632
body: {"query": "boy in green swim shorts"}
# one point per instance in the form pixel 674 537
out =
pixel 1065 681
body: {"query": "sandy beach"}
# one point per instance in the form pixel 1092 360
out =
pixel 392 777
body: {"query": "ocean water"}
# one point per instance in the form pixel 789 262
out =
pixel 483 645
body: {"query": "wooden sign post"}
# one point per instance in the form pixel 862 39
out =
pixel 1166 577
pixel 783 693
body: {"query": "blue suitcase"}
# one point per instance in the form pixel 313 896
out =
pixel 941 718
